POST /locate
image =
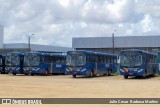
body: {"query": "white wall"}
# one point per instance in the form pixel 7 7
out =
pixel 1 36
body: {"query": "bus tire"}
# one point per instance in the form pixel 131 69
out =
pixel 125 76
pixel 109 72
pixel 74 76
pixel 14 73
pixel 26 74
pixel 154 72
pixel 32 74
pixel 47 72
pixel 106 74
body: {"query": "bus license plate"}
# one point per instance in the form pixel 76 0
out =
pixel 130 73
pixel 75 73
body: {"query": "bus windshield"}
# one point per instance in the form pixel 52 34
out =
pixel 31 60
pixel 15 60
pixel 131 59
pixel 76 60
pixel 8 60
pixel 12 60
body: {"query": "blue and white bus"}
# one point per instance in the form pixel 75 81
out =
pixel 38 63
pixel 134 62
pixel 14 63
pixel 2 64
pixel 90 63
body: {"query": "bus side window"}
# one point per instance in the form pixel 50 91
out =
pixel 151 59
pixel 58 60
pixel 46 59
pixel 101 59
pixel 105 59
pixel 115 60
pixel 63 60
pixel 110 59
pixel 96 58
pixel 92 58
pixel 88 59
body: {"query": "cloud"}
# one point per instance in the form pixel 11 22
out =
pixel 117 11
pixel 55 22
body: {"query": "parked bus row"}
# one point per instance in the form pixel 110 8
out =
pixel 133 62
pixel 34 63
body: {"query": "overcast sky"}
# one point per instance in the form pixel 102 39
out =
pixel 55 22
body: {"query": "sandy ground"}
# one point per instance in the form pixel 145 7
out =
pixel 67 87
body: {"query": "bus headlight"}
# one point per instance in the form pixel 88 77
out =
pixel 67 70
pixel 36 69
pixel 70 69
pixel 140 70
pixel 17 68
pixel 125 70
pixel 121 70
pixel 83 70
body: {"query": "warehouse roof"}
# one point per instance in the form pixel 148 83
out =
pixel 120 42
pixel 36 47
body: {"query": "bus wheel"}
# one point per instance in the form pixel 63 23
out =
pixel 14 73
pixel 109 72
pixel 74 76
pixel 32 74
pixel 125 76
pixel 154 72
pixel 47 72
pixel 105 73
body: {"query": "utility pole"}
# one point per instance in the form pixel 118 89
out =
pixel 113 47
pixel 29 42
pixel 29 38
pixel 113 43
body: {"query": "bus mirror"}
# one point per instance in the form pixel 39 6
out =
pixel 118 61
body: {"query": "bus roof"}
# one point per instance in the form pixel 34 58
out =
pixel 46 54
pixel 18 53
pixel 137 50
pixel 95 53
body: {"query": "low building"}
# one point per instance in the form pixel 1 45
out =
pixel 105 44
pixel 24 47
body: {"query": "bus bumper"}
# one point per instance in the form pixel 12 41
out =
pixel 86 72
pixel 132 73
pixel 20 72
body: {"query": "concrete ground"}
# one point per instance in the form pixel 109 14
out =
pixel 62 86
